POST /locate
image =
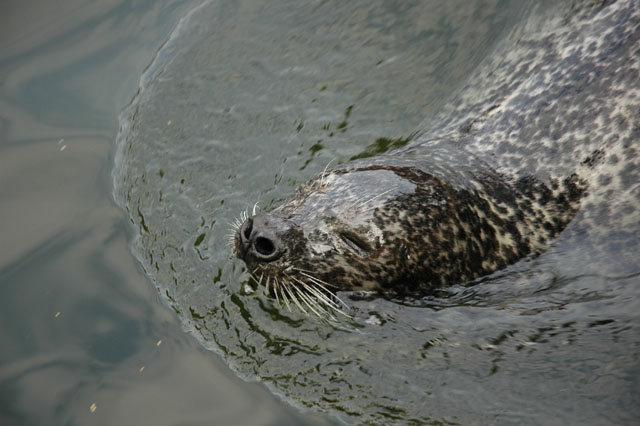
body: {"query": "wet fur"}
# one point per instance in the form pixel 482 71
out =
pixel 551 120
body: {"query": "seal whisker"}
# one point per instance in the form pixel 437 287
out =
pixel 254 278
pixel 230 222
pixel 253 275
pixel 267 288
pixel 302 272
pixel 324 172
pixel 327 300
pixel 233 225
pixel 361 200
pixel 276 290
pixel 375 197
pixel 319 282
pixel 332 303
pixel 293 297
pixel 244 215
pixel 315 293
pixel 236 224
pixel 307 301
pixel 255 206
pixel 322 286
pixel 284 296
pixel 356 204
pixel 332 299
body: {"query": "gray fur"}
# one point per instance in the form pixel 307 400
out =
pixel 550 123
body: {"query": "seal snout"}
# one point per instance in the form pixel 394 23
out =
pixel 261 238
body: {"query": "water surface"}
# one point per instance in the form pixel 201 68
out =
pixel 84 336
pixel 249 99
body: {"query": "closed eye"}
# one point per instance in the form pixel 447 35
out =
pixel 354 243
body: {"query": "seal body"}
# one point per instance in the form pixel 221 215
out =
pixel 552 117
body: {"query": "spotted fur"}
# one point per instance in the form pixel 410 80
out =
pixel 550 122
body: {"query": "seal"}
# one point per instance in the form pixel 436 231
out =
pixel 552 117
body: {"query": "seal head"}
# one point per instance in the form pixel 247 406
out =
pixel 404 223
pixel 501 171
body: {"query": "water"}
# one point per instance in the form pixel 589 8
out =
pixel 245 101
pixel 79 319
pixel 249 99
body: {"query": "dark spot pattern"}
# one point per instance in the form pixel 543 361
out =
pixel 547 128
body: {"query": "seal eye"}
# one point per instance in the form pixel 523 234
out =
pixel 358 246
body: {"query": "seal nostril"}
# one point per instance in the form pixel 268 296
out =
pixel 263 238
pixel 248 227
pixel 265 246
